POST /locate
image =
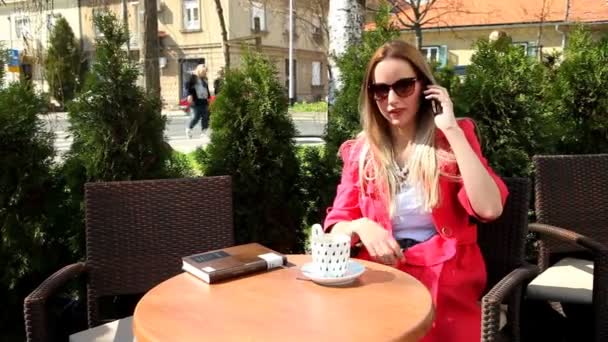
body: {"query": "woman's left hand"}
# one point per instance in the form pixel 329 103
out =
pixel 446 119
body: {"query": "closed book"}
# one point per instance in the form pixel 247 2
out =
pixel 232 262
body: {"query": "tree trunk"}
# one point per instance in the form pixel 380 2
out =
pixel 151 48
pixel 220 14
pixel 345 26
pixel 418 31
pixel 539 39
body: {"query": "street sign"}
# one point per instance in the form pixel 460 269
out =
pixel 13 60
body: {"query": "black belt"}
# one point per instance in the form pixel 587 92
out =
pixel 403 243
pixel 407 243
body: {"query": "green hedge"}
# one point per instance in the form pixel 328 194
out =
pixel 64 62
pixel 34 239
pixel 252 140
pixel 503 92
pixel 578 95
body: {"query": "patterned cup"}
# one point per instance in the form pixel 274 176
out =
pixel 330 254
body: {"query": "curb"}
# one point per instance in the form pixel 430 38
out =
pixel 299 116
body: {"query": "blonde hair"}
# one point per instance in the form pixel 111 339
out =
pixel 201 69
pixel 377 160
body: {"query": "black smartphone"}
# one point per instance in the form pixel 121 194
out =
pixel 436 107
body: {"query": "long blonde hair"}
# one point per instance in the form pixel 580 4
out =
pixel 377 160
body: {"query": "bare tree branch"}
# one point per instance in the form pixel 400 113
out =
pixel 429 5
pixel 401 11
pixel 416 10
pixel 305 15
pixel 226 46
pixel 414 14
pixel 441 15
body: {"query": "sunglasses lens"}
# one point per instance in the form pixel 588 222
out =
pixel 380 91
pixel 404 87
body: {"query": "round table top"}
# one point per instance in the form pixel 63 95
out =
pixel 383 304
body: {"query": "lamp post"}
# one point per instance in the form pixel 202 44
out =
pixel 125 18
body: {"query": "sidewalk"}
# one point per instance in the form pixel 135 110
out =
pixel 297 116
pixel 320 117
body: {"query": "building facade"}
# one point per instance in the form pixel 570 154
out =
pixel 189 34
pixel 538 27
pixel 25 27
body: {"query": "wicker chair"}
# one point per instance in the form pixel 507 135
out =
pixel 136 234
pixel 572 216
pixel 502 243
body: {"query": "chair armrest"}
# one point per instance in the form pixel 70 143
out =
pixel 490 304
pixel 35 315
pixel 600 271
pixel 568 236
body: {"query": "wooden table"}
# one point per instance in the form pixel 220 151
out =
pixel 384 304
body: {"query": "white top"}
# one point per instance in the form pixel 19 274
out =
pixel 411 221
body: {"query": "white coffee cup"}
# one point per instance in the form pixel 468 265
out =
pixel 330 253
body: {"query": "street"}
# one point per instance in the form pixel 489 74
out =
pixel 310 129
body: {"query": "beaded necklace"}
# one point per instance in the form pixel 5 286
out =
pixel 402 173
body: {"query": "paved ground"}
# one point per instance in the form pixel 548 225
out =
pixel 310 126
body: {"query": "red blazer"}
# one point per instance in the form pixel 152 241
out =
pixel 452 217
pixel 449 264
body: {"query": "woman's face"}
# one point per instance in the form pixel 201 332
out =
pixel 398 103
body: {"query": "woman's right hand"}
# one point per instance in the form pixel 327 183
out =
pixel 378 241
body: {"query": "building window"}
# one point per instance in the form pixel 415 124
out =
pixel 316 74
pixel 523 46
pixel 96 12
pixel 529 48
pixel 317 30
pixel 316 25
pixel 192 18
pixel 295 24
pixel 50 22
pixel 436 54
pixel 22 27
pixel 258 16
pixel 431 53
pixel 135 29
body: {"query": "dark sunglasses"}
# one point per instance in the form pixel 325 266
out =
pixel 403 87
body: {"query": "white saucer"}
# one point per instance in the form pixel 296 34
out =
pixel 355 269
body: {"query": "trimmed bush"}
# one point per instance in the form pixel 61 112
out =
pixel 578 92
pixel 118 128
pixel 315 188
pixel 33 241
pixel 64 62
pixel 503 92
pixel 447 78
pixel 3 62
pixel 252 140
pixel 181 165
pixel 320 106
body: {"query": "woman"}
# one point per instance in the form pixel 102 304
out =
pixel 413 185
pixel 198 97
